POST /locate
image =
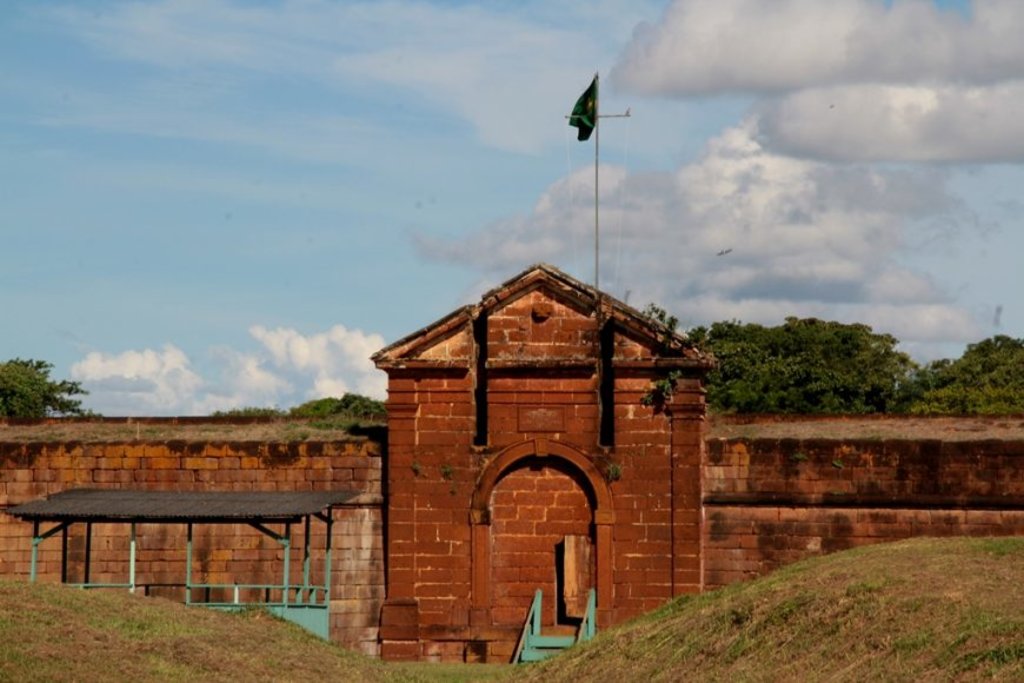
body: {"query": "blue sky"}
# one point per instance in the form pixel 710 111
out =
pixel 212 204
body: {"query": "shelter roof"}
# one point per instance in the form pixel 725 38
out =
pixel 180 506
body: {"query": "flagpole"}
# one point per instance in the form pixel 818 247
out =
pixel 581 118
pixel 597 213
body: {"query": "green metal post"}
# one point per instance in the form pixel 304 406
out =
pixel 327 561
pixel 38 538
pixel 287 543
pixel 35 551
pixel 64 555
pixel 305 561
pixel 88 551
pixel 535 623
pixel 131 561
pixel 188 565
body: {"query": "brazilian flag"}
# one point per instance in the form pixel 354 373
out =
pixel 584 114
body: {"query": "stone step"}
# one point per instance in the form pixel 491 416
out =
pixel 533 654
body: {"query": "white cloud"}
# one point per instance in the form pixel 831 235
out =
pixel 336 361
pixel 139 382
pixel 715 46
pixel 849 79
pixel 291 368
pixel 807 239
pixel 901 123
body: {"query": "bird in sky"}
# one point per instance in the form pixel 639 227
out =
pixel 724 252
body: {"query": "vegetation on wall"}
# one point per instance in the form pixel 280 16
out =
pixel 350 405
pixel 26 391
pixel 350 408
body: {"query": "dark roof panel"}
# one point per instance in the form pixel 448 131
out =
pixel 112 504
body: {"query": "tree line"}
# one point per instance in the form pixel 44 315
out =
pixel 804 366
pixel 811 366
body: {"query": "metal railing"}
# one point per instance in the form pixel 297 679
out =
pixel 588 627
pixel 534 645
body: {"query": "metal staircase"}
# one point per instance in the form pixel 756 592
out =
pixel 535 646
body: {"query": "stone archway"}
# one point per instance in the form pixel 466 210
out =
pixel 509 459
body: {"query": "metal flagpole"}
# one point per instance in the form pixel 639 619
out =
pixel 597 212
pixel 597 176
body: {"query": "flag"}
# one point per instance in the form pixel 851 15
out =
pixel 584 113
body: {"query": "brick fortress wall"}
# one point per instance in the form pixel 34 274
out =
pixel 771 502
pixel 766 503
pixel 221 553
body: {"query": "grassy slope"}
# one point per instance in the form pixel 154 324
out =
pixel 55 633
pixel 925 609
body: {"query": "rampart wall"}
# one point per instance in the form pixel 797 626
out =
pixel 222 553
pixel 765 503
pixel 770 502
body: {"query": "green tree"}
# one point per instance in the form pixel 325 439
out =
pixel 987 379
pixel 804 366
pixel 27 391
pixel 350 405
pixel 249 412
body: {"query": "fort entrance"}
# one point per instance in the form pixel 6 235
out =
pixel 523 458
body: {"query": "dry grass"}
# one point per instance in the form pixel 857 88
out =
pixel 1005 428
pixel 57 633
pixel 179 429
pixel 924 609
pixel 113 430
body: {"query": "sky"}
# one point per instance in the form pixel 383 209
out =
pixel 213 204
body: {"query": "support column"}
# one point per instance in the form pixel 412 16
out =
pixel 88 552
pixel 188 565
pixel 64 555
pixel 400 615
pixel 480 604
pixel 131 560
pixel 327 558
pixel 687 443
pixel 603 521
pixel 35 552
pixel 305 562
pixel 287 543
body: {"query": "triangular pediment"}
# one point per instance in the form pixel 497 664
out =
pixel 540 315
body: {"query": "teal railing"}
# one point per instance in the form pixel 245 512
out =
pixel 588 627
pixel 534 646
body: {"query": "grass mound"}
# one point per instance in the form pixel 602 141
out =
pixel 58 633
pixel 924 609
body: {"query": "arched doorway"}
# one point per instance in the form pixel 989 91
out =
pixel 539 510
pixel 531 499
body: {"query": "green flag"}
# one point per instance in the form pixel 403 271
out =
pixel 584 113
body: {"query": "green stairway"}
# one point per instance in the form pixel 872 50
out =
pixel 535 646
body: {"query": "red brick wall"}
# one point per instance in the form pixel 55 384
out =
pixel 559 407
pixel 221 553
pixel 772 502
pixel 434 469
pixel 536 326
